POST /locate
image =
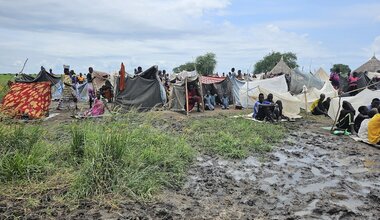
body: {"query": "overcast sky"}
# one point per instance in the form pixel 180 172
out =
pixel 167 33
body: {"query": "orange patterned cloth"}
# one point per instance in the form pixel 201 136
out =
pixel 32 99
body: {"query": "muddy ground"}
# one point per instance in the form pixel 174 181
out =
pixel 310 175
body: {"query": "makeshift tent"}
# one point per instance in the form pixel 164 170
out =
pixel 99 79
pixel 218 86
pixel 362 82
pixel 299 79
pixel 313 94
pixel 281 68
pixel 44 76
pixel 372 65
pixel 237 85
pixel 363 98
pixel 31 99
pixel 177 98
pixel 249 94
pixel 322 75
pixel 143 91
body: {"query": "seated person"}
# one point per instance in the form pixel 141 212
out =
pixel 209 104
pixel 106 91
pixel 346 118
pixel 363 114
pixel 374 104
pixel 97 109
pixel 193 98
pixel 225 102
pixel 374 129
pixel 363 130
pixel 320 106
pixel 262 109
pixel 276 108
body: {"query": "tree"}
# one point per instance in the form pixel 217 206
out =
pixel 343 69
pixel 271 59
pixel 189 66
pixel 205 64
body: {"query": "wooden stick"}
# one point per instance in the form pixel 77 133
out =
pixel 24 65
pixel 203 102
pixel 187 98
pixel 305 102
pixel 336 116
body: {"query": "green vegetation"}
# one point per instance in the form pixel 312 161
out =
pixel 343 69
pixel 270 61
pixel 237 139
pixel 204 65
pixel 133 156
pixel 4 78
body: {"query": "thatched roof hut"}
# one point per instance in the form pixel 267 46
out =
pixel 281 68
pixel 373 65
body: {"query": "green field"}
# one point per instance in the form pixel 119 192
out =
pixel 131 156
pixel 4 78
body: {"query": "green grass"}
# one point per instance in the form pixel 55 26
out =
pixel 4 78
pixel 135 155
pixel 232 137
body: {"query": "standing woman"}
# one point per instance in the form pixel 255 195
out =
pixel 68 97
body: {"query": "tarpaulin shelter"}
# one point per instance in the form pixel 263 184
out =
pixel 313 94
pixel 44 76
pixel 249 94
pixel 143 91
pixel 237 85
pixel 299 79
pixel 99 79
pixel 364 98
pixel 179 92
pixel 27 99
pixel 218 86
pixel 362 82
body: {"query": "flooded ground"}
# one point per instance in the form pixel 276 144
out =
pixel 311 175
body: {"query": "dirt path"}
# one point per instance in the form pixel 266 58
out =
pixel 311 175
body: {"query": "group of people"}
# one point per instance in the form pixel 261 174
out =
pixel 210 100
pixel 69 99
pixel 352 80
pixel 366 124
pixel 267 109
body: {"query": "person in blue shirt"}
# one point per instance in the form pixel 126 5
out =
pixel 374 104
pixel 208 101
pixel 262 109
pixel 225 102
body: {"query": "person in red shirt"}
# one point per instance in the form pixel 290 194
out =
pixel 353 83
pixel 194 98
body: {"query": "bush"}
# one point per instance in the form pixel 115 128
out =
pixel 129 159
pixel 22 155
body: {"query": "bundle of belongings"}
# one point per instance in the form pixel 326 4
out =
pixel 27 100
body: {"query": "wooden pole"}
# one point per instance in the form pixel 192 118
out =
pixel 306 108
pixel 336 116
pixel 187 98
pixel 203 102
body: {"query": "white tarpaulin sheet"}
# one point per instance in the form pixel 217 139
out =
pixel 363 98
pixel 276 84
pixel 249 94
pixel 313 94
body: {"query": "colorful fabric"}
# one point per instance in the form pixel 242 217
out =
pixel 31 99
pixel 211 80
pixel 97 109
pixel 374 129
